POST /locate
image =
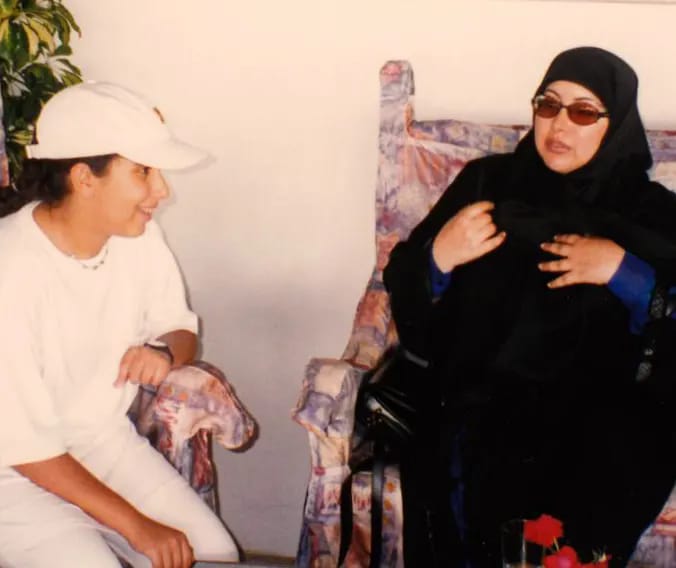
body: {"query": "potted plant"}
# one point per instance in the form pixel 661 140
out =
pixel 34 50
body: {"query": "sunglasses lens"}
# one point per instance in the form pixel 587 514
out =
pixel 582 114
pixel 546 107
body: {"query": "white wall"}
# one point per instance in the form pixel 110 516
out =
pixel 275 237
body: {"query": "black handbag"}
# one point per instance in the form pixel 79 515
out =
pixel 391 411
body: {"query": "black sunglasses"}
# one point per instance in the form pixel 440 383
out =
pixel 580 113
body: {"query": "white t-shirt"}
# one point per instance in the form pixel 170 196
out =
pixel 65 329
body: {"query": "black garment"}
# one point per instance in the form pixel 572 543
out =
pixel 538 384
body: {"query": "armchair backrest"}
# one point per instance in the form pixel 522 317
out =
pixel 417 160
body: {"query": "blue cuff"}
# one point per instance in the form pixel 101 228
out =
pixel 439 280
pixel 633 283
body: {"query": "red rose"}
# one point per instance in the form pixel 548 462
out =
pixel 543 531
pixel 564 558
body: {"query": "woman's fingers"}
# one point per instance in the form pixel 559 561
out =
pixel 476 209
pixel 561 245
pixel 471 223
pixel 569 239
pixel 491 244
pixel 555 266
pixel 556 248
pixel 466 236
pixel 481 221
pixel 584 259
pixel 484 233
pixel 567 277
pixel 563 280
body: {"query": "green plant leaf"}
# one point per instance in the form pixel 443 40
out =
pixel 63 50
pixel 18 45
pixel 7 7
pixel 23 136
pixel 70 67
pixel 71 79
pixel 63 11
pixel 4 28
pixel 33 40
pixel 34 46
pixel 62 29
pixel 45 35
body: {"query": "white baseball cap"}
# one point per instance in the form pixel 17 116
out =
pixel 96 118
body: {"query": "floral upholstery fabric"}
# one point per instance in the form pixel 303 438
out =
pixel 194 403
pixel 325 408
pixel 416 162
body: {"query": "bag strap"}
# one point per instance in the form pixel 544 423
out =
pixel 376 464
pixel 377 497
pixel 659 302
pixel 377 500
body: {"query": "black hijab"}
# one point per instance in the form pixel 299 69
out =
pixel 615 83
pixel 610 196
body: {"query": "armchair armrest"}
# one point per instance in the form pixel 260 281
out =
pixel 326 409
pixel 194 397
pixel 326 403
pixel 194 402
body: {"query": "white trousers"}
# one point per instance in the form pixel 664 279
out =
pixel 40 530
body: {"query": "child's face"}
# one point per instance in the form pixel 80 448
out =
pixel 128 194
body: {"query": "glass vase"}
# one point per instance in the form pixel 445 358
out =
pixel 517 552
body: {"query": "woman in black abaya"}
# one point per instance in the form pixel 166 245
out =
pixel 527 289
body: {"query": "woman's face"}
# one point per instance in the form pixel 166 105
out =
pixel 563 145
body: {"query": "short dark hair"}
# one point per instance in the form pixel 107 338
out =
pixel 46 180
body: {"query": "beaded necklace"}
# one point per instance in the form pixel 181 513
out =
pixel 95 266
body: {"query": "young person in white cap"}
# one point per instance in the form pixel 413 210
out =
pixel 92 304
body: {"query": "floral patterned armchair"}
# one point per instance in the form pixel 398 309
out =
pixel 192 405
pixel 417 161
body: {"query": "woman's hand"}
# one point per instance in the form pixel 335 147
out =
pixel 164 546
pixel 585 260
pixel 468 235
pixel 143 365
